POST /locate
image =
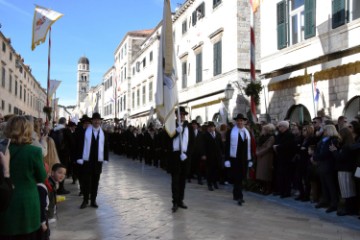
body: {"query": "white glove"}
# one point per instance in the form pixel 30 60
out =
pixel 227 164
pixel 179 129
pixel 183 156
pixel 80 161
pixel 250 163
pixel 106 162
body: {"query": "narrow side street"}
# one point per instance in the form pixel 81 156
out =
pixel 135 203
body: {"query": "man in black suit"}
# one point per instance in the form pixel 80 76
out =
pixel 238 155
pixel 179 164
pixel 213 151
pixel 93 150
pixel 198 154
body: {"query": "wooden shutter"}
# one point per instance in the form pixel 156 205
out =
pixel 217 58
pixel 310 18
pixel 199 67
pixel 338 13
pixel 281 24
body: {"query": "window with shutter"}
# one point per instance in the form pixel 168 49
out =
pixel 217 58
pixel 310 18
pixel 338 13
pixel 184 75
pixel 199 67
pixel 281 24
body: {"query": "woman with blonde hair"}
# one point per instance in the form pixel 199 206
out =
pixel 52 157
pixel 265 157
pixel 21 219
pixel 326 168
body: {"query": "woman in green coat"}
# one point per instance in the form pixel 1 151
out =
pixel 21 219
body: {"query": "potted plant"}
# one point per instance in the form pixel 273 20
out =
pixel 47 111
pixel 253 89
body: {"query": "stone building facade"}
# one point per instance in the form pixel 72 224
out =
pixel 20 92
pixel 310 59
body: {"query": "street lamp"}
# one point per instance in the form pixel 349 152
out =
pixel 229 92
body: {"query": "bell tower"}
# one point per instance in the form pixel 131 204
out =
pixel 83 79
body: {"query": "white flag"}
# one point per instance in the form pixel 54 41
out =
pixel 54 84
pixel 166 96
pixel 43 19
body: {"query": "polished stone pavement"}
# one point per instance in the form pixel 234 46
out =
pixel 135 203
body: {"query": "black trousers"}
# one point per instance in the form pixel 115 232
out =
pixel 178 170
pixel 90 185
pixel 237 176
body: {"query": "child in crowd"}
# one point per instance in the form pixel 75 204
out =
pixel 58 173
pixel 44 231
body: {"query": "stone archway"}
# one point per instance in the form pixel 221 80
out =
pixel 352 108
pixel 298 113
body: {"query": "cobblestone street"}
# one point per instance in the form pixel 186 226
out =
pixel 135 203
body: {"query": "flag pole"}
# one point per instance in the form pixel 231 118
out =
pixel 48 74
pixel 252 63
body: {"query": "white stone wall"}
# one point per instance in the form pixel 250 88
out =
pixel 334 93
pixel 32 92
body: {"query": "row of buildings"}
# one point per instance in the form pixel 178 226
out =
pixel 306 55
pixel 20 92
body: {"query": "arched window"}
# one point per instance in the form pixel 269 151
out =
pixel 352 108
pixel 299 114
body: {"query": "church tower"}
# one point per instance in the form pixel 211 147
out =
pixel 83 79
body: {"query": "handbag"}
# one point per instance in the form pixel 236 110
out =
pixel 357 172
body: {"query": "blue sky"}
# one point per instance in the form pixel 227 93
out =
pixel 89 27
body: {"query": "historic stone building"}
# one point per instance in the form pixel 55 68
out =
pixel 83 79
pixel 20 92
pixel 310 54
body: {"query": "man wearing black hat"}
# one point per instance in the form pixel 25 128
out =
pixel 93 150
pixel 198 153
pixel 179 165
pixel 238 155
pixel 213 152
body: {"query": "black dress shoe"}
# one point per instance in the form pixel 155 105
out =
pixel 285 196
pixel 342 212
pixel 174 208
pixel 321 205
pixel 216 186
pixel 83 204
pixel 241 200
pixel 182 205
pixel 62 192
pixel 331 209
pixel 240 203
pixel 94 205
pixel 210 188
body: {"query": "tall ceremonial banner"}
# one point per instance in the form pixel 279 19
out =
pixel 254 4
pixel 54 84
pixel 166 96
pixel 43 19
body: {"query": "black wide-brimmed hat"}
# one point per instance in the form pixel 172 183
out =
pixel 240 116
pixel 182 110
pixel 71 124
pixel 96 116
pixel 211 124
pixel 85 118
